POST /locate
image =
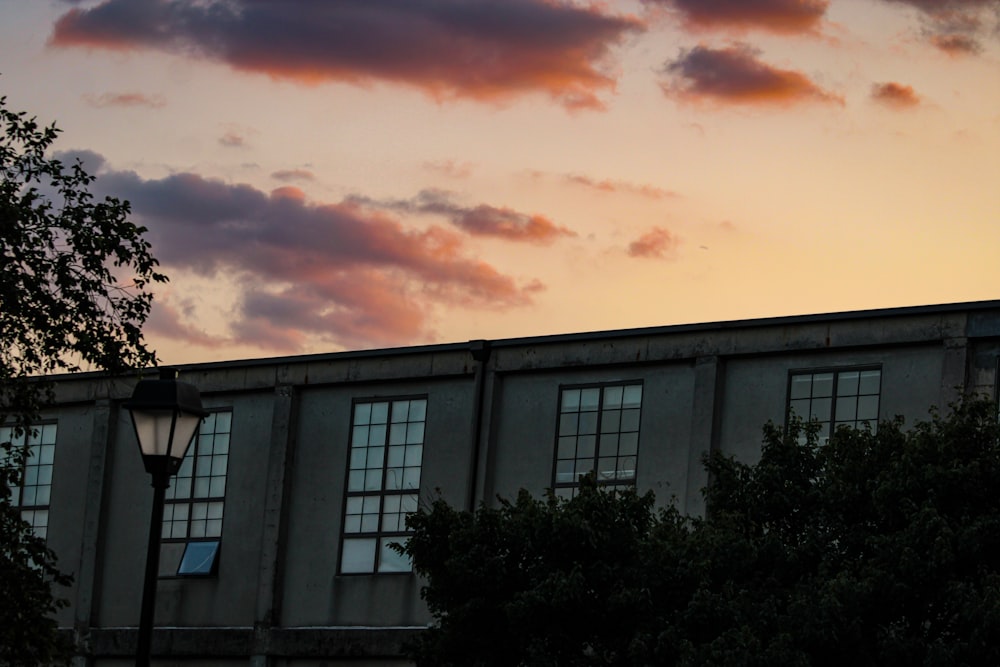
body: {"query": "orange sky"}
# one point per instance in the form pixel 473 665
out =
pixel 319 176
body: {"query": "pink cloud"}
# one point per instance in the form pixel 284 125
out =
pixel 610 186
pixel 480 220
pixel 106 100
pixel 351 274
pixel 486 50
pixel 779 16
pixel 735 75
pixel 895 95
pixel 657 243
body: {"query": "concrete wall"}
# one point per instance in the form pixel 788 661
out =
pixel 491 430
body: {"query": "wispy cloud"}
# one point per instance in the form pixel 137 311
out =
pixel 340 272
pixel 450 168
pixel 232 140
pixel 956 27
pixel 613 186
pixel 479 220
pixel 288 175
pixel 735 75
pixel 895 95
pixel 657 243
pixel 780 16
pixel 487 50
pixel 105 100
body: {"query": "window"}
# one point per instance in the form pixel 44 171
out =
pixel 195 502
pixel 598 431
pixel 32 495
pixel 383 483
pixel 848 397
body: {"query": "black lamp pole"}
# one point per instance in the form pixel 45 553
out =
pixel 165 415
pixel 161 480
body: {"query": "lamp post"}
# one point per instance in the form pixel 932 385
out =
pixel 165 414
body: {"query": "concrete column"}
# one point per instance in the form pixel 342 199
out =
pixel 708 380
pixel 274 534
pixel 85 607
pixel 954 369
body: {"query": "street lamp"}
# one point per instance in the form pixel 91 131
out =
pixel 165 414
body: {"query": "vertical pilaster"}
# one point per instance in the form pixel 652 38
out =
pixel 705 410
pixel 281 457
pixel 954 369
pixel 87 574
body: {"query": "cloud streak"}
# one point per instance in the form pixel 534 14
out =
pixel 481 220
pixel 343 272
pixel 487 50
pixel 778 16
pixel 611 186
pixel 735 75
pixel 106 100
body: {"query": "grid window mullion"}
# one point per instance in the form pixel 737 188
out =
pixel 597 432
pixel 198 489
pixel 383 479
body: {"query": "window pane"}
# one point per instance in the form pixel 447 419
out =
pixel 847 383
pixel 821 409
pixel 869 382
pixel 389 560
pixel 568 423
pixel 571 400
pixel 358 556
pixel 847 408
pixel 589 399
pixel 397 434
pixel 587 423
pixel 613 397
pixel 801 386
pixel 822 384
pixel 611 421
pixel 199 558
pixel 868 408
pixel 632 396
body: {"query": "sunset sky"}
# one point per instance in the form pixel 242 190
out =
pixel 321 175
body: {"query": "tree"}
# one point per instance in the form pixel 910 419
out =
pixel 74 292
pixel 880 547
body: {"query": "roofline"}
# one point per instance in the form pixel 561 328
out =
pixel 784 320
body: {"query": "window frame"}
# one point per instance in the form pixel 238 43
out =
pixel 190 500
pixel 837 371
pixel 17 494
pixel 569 488
pixel 382 492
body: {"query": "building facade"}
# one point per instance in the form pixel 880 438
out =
pixel 276 529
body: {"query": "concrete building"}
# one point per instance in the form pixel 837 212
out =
pixel 274 539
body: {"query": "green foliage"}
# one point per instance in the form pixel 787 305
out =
pixel 74 279
pixel 876 548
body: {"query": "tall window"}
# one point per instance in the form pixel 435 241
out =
pixel 598 431
pixel 383 483
pixel 32 495
pixel 848 397
pixel 195 501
